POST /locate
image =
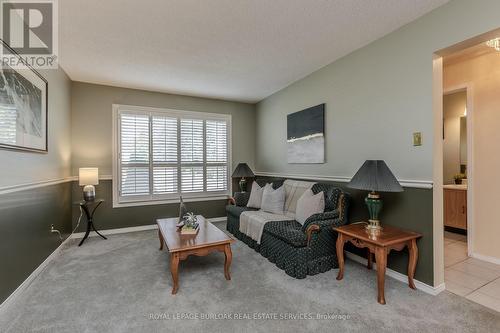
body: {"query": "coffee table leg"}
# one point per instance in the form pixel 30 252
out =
pixel 227 262
pixel 412 261
pixel 174 269
pixel 161 239
pixel 381 257
pixel 340 255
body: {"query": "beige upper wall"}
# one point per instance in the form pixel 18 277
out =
pixel 17 167
pixel 482 74
pixel 453 109
pixel 376 97
pixel 92 121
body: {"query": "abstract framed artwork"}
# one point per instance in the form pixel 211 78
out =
pixel 305 135
pixel 23 108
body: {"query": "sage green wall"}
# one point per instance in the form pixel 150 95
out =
pixel 92 121
pixel 26 215
pixel 376 97
pixel 18 167
pixel 25 238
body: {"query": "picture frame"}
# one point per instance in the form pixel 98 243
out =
pixel 23 107
pixel 306 136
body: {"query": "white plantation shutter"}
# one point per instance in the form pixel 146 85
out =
pixel 192 148
pixel 216 178
pixel 135 181
pixel 192 179
pixel 164 139
pixel 164 180
pixel 134 154
pixel 216 138
pixel 216 141
pixel 165 154
pixel 192 140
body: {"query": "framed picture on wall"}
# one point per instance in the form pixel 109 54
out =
pixel 305 135
pixel 23 107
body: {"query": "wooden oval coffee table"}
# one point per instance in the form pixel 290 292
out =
pixel 208 239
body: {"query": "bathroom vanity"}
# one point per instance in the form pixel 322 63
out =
pixel 455 206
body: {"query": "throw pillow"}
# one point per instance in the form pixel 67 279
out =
pixel 273 201
pixel 308 205
pixel 255 200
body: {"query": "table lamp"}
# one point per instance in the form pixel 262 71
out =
pixel 374 176
pixel 242 171
pixel 88 177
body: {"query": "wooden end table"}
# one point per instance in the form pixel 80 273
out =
pixel 380 244
pixel 208 239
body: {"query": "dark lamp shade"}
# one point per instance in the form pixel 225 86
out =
pixel 375 175
pixel 242 170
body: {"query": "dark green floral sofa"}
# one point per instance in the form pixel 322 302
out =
pixel 299 250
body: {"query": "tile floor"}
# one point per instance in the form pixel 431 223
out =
pixel 474 279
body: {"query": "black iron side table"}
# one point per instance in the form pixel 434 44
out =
pixel 89 207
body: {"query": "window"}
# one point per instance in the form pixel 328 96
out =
pixel 162 154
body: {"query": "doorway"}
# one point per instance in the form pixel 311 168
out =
pixel 467 247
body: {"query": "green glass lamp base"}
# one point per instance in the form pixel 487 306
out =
pixel 243 185
pixel 374 205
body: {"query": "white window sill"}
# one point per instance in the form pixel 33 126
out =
pixel 168 201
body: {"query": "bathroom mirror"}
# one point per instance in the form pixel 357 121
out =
pixel 454 135
pixel 463 144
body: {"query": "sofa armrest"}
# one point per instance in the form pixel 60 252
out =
pixel 321 219
pixel 309 232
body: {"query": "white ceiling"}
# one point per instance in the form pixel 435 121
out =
pixel 242 50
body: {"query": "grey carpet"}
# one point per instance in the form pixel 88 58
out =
pixel 118 284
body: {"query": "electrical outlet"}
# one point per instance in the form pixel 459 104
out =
pixel 417 138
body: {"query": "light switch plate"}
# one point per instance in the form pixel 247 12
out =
pixel 417 138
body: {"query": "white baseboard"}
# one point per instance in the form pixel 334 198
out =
pixel 400 277
pixel 217 219
pixel 106 232
pixel 492 260
pixel 34 274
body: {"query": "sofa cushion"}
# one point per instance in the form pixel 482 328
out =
pixel 287 231
pixel 308 205
pixel 237 210
pixel 255 200
pixel 293 191
pixel 273 201
pixel 332 195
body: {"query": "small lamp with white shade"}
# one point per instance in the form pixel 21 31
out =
pixel 88 177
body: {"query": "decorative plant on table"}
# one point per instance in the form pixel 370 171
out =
pixel 190 221
pixel 458 178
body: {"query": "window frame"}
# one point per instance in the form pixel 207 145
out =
pixel 157 199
